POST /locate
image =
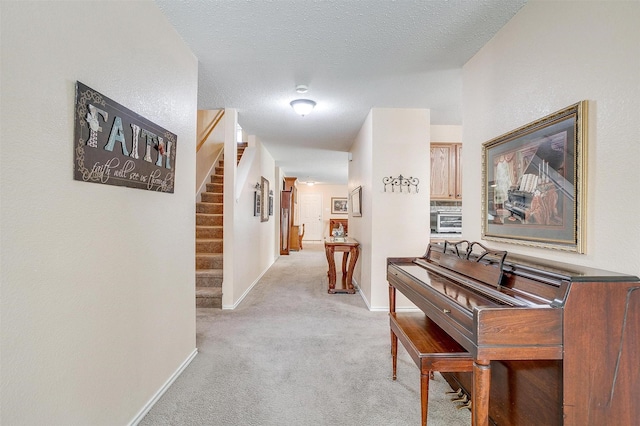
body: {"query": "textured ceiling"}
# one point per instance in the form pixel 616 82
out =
pixel 353 56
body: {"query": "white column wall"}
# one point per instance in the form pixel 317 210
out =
pixel 553 54
pixel 400 221
pixel 98 300
pixel 360 174
pixel 229 293
pixel 254 241
pixel 391 142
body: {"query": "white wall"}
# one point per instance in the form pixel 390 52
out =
pixel 360 174
pixel 254 242
pixel 446 133
pixel 553 54
pixel 391 142
pixel 400 222
pixel 98 298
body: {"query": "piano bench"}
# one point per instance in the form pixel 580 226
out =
pixel 430 347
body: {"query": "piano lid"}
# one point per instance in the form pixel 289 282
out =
pixel 461 295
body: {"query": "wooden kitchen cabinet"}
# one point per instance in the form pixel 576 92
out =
pixel 446 171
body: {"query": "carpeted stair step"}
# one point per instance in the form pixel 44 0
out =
pixel 210 197
pixel 208 297
pixel 204 219
pixel 208 261
pixel 210 208
pixel 216 188
pixel 209 278
pixel 208 246
pixel 208 232
pixel 217 178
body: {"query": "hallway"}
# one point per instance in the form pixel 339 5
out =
pixel 291 354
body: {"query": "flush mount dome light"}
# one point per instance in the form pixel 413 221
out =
pixel 303 106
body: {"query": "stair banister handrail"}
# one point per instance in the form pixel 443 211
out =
pixel 203 185
pixel 214 122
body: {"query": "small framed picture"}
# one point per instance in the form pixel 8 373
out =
pixel 264 196
pixel 356 202
pixel 339 205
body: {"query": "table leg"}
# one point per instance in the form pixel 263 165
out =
pixel 329 250
pixel 352 265
pixel 345 258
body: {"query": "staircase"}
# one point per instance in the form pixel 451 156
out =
pixel 209 239
pixel 240 150
pixel 209 242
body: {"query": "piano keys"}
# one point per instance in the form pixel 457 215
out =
pixel 554 343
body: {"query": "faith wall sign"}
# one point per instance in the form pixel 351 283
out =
pixel 115 146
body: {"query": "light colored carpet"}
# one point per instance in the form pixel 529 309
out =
pixel 292 354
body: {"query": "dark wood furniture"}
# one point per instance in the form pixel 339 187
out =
pixel 285 221
pixel 291 184
pixel 552 343
pixel 349 248
pixel 335 223
pixel 430 348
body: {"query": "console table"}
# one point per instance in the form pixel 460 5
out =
pixel 348 246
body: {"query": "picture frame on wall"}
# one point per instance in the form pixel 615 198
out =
pixel 264 195
pixel 355 198
pixel 339 205
pixel 534 182
pixel 257 203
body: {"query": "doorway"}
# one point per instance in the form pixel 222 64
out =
pixel 311 215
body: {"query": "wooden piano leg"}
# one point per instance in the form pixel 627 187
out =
pixel 481 387
pixel 392 308
pixel 394 353
pixel 424 396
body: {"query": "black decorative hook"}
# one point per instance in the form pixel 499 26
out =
pixel 401 182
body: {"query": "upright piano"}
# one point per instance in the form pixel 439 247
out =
pixel 553 343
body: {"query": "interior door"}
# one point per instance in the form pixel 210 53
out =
pixel 310 208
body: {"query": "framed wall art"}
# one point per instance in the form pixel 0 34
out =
pixel 257 202
pixel 534 182
pixel 339 205
pixel 271 202
pixel 264 213
pixel 116 146
pixel 355 197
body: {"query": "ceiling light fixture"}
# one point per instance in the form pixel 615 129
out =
pixel 303 106
pixel 310 183
pixel 301 88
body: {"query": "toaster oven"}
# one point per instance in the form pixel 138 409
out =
pixel 449 222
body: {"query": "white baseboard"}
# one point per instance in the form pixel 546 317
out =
pixel 383 308
pixel 143 412
pixel 235 305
